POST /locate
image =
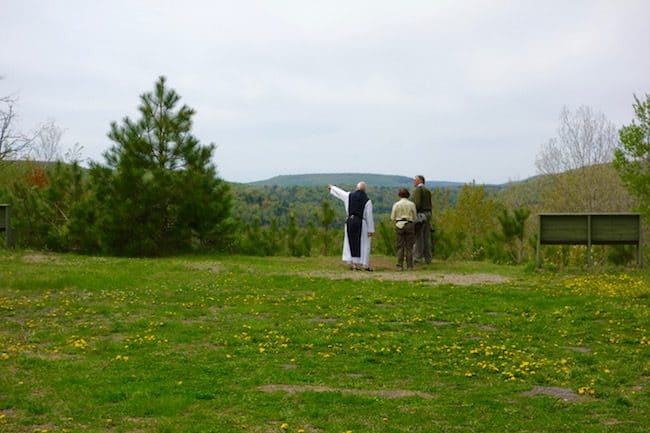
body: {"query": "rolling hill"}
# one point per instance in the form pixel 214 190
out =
pixel 321 179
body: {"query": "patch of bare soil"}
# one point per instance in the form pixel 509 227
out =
pixel 323 320
pixel 577 349
pixel 554 391
pixel 440 323
pixel 432 277
pixel 289 366
pixel 39 258
pixel 385 393
pixel 215 268
pixel 275 428
pixel 611 421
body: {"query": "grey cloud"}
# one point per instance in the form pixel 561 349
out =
pixel 461 90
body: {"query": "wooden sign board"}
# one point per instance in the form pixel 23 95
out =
pixel 590 229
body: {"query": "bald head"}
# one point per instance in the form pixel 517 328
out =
pixel 361 186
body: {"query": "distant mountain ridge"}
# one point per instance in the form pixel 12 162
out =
pixel 322 179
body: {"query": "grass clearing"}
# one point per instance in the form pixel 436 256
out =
pixel 231 344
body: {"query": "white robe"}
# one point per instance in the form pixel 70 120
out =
pixel 367 226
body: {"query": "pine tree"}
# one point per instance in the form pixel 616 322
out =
pixel 158 192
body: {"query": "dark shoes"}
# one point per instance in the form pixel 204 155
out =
pixel 359 268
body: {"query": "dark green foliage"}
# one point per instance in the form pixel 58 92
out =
pixel 621 254
pixel 307 240
pixel 385 237
pixel 159 192
pixel 258 240
pixel 507 245
pixel 326 234
pixel 299 242
pixel 632 158
pixel 43 202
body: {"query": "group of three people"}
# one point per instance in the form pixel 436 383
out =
pixel 412 221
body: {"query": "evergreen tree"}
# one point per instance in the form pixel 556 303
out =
pixel 326 220
pixel 632 158
pixel 507 245
pixel 44 202
pixel 158 192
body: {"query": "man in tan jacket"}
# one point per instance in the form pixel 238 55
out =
pixel 403 216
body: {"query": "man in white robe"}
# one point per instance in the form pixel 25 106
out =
pixel 358 256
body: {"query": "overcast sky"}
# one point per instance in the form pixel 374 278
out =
pixel 456 90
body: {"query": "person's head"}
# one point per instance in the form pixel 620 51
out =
pixel 404 193
pixel 418 180
pixel 361 186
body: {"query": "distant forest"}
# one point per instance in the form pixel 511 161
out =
pixel 273 200
pixel 268 204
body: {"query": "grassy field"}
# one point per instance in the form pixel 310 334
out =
pixel 239 344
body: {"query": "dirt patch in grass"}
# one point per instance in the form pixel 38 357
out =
pixel 289 366
pixel 276 427
pixel 611 421
pixel 385 393
pixel 215 268
pixel 323 320
pixel 440 323
pixel 40 258
pixel 577 349
pixel 385 270
pixel 554 391
pixel 430 277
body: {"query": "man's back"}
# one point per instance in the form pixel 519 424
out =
pixel 422 199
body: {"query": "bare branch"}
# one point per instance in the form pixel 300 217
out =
pixel 584 138
pixel 577 161
pixel 47 146
pixel 12 142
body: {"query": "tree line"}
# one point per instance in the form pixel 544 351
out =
pixel 158 192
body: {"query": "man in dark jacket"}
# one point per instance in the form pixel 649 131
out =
pixel 422 199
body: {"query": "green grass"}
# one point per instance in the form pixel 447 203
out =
pixel 186 344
